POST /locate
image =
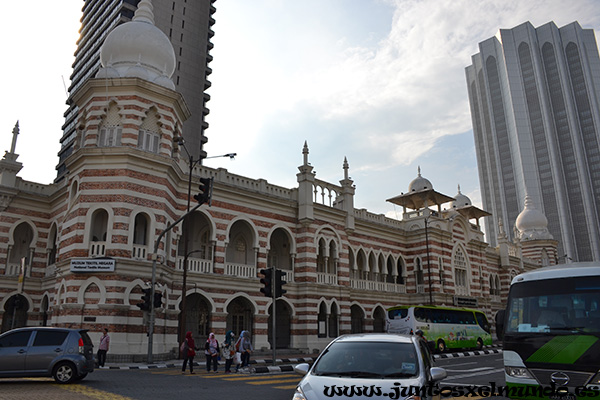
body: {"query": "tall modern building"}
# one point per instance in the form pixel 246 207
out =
pixel 534 96
pixel 188 26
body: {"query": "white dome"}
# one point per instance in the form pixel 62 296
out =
pixel 419 183
pixel 460 200
pixel 139 45
pixel 532 223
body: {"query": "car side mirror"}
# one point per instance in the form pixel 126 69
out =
pixel 437 373
pixel 500 324
pixel 301 369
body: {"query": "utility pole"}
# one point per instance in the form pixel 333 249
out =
pixel 274 294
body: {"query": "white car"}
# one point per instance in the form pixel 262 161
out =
pixel 370 366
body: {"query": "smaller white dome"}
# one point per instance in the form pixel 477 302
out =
pixel 531 223
pixel 460 200
pixel 419 183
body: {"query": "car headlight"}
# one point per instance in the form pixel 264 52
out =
pixel 299 394
pixel 518 372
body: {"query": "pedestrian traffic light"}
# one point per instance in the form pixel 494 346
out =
pixel 279 282
pixel 205 193
pixel 146 298
pixel 157 300
pixel 267 281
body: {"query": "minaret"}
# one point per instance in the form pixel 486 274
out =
pixel 306 180
pixel 9 167
pixel 348 191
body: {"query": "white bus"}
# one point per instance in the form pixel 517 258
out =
pixel 551 332
pixel 443 327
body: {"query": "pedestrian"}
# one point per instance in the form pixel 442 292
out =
pixel 188 351
pixel 245 348
pixel 211 350
pixel 228 349
pixel 103 348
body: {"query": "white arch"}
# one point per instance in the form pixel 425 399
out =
pixel 247 297
pixel 289 234
pixel 88 222
pixel 86 284
pixel 8 295
pixel 13 227
pixel 252 227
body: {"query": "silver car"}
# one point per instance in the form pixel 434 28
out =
pixel 371 366
pixel 61 353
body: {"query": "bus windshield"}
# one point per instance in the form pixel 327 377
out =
pixel 557 305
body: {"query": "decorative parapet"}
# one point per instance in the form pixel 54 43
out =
pixel 326 193
pixel 365 215
pixel 221 175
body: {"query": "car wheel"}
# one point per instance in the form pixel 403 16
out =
pixel 64 373
pixel 479 344
pixel 441 346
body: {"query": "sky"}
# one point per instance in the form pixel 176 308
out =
pixel 379 82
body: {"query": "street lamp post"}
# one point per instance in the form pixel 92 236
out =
pixel 186 224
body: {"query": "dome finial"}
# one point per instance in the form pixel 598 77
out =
pixel 144 12
pixel 419 170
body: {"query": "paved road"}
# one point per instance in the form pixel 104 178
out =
pixel 168 383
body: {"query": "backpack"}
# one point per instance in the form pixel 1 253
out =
pixel 184 347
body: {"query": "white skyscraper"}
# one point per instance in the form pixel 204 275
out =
pixel 534 96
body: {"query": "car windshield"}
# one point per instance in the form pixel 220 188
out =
pixel 368 360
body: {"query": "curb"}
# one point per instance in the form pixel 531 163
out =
pixel 261 366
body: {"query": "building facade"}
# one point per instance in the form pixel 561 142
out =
pixel 80 252
pixel 188 26
pixel 534 96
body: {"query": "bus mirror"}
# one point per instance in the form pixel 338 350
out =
pixel 500 324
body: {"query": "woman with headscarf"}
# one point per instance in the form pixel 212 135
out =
pixel 228 350
pixel 211 350
pixel 188 352
pixel 245 347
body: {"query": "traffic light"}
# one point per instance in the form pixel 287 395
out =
pixel 205 191
pixel 157 300
pixel 267 281
pixel 279 282
pixel 146 298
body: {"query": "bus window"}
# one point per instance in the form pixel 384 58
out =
pixel 482 321
pixel 399 313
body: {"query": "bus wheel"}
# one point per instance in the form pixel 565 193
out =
pixel 479 344
pixel 441 346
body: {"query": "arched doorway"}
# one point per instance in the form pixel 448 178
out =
pixel 240 316
pixel 15 313
pixel 197 317
pixel 379 320
pixel 283 325
pixel 357 317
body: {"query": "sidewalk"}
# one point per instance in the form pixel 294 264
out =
pixel 259 363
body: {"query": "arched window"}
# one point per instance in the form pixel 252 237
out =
pixel 461 282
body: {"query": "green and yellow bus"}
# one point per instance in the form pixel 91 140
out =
pixel 551 333
pixel 443 327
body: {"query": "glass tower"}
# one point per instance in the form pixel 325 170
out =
pixel 534 95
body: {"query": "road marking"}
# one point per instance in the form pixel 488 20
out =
pixel 477 374
pixel 469 370
pixel 274 381
pixel 92 393
pixel 286 387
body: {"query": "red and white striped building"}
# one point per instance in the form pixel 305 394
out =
pixel 78 252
